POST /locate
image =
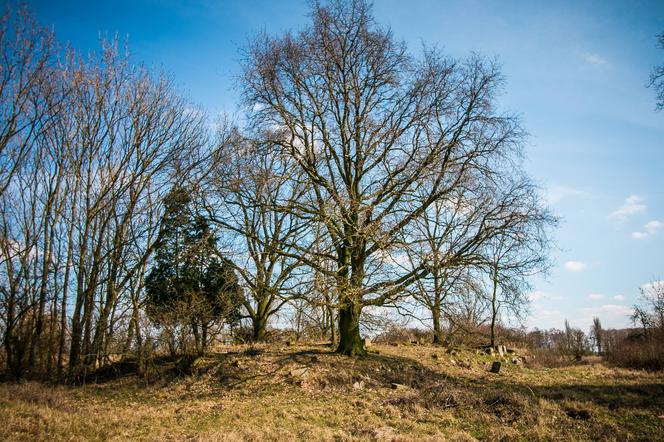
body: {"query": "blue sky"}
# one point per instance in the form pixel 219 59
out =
pixel 576 71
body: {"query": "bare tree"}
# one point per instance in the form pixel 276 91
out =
pixel 27 71
pixel 518 252
pixel 78 212
pixel 657 77
pixel 649 314
pixel 368 124
pixel 253 191
pixel 576 343
pixel 597 334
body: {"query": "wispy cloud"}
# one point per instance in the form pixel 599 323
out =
pixel 556 194
pixel 536 295
pixel 650 228
pixel 615 309
pixel 611 315
pixel 595 59
pixel 545 318
pixel 575 266
pixel 539 295
pixel 633 204
pixel 653 226
pixel 619 298
pixel 595 296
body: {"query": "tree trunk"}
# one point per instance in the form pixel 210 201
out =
pixel 350 342
pixel 204 337
pixel 197 339
pixel 494 307
pixel 259 325
pixel 333 331
pixel 437 330
pixel 76 332
pixel 493 330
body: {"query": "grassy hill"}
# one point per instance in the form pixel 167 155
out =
pixel 309 393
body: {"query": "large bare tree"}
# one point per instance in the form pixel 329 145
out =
pixel 380 136
pixel 253 192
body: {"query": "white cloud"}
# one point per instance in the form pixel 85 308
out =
pixel 619 298
pixel 555 194
pixel 595 296
pixel 539 295
pixel 653 226
pixel 611 315
pixel 595 59
pixel 575 266
pixel 650 228
pixel 544 319
pixel 633 204
pixel 615 309
pixel 536 295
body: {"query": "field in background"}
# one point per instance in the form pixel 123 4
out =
pixel 309 393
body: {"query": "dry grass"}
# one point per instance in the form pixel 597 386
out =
pixel 309 393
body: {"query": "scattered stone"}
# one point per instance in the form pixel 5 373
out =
pixel 358 385
pixel 452 361
pixel 517 361
pixel 299 372
pixel 495 367
pixel 396 386
pixel 488 350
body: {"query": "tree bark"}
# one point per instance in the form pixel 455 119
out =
pixel 494 307
pixel 259 325
pixel 333 331
pixel 437 329
pixel 204 337
pixel 197 339
pixel 350 342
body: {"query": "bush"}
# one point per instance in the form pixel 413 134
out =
pixel 638 354
pixel 402 335
pixel 548 358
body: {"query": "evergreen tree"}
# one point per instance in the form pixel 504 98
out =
pixel 190 285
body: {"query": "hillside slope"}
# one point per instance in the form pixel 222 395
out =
pixel 309 393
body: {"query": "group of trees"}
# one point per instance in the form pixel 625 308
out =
pixel 361 177
pixel 89 147
pixel 640 347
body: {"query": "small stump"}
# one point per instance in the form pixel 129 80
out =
pixel 495 367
